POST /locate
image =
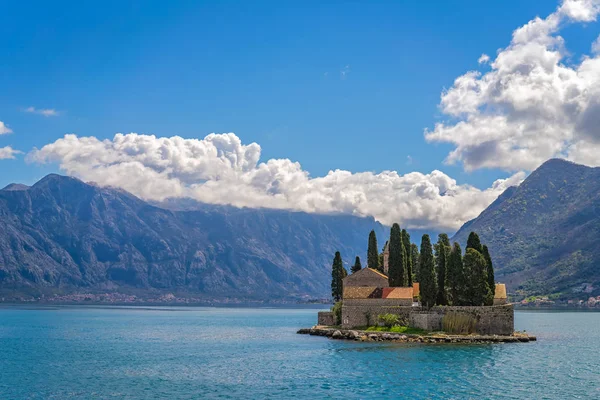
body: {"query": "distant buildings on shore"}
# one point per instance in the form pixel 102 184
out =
pixel 545 301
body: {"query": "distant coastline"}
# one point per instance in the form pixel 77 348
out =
pixel 118 299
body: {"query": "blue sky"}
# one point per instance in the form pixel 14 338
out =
pixel 346 85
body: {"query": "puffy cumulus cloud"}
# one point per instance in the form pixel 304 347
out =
pixel 220 169
pixel 8 153
pixel 4 129
pixel 530 106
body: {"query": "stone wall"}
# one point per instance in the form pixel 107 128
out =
pixel 425 320
pixel 495 320
pixel 364 312
pixel 326 318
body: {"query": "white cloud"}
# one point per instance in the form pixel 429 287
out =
pixel 46 112
pixel 580 10
pixel 484 59
pixel 219 169
pixel 4 130
pixel 344 72
pixel 8 153
pixel 530 106
pixel 596 46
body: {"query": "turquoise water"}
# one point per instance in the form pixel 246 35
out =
pixel 192 353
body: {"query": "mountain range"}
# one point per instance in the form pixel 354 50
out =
pixel 544 235
pixel 62 235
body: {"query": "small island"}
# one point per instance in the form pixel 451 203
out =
pixel 431 294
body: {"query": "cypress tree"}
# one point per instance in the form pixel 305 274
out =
pixel 414 256
pixel 473 242
pixel 409 260
pixel 397 261
pixel 455 278
pixel 335 270
pixel 426 277
pixel 478 290
pixel 443 237
pixel 372 252
pixel 441 262
pixel 490 274
pixel 357 266
pixel 337 274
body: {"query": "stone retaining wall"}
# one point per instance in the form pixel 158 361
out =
pixel 426 321
pixel 494 320
pixel 364 312
pixel 490 320
pixel 326 318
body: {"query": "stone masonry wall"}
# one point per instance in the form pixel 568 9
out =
pixel 358 313
pixel 326 318
pixel 495 320
pixel 425 320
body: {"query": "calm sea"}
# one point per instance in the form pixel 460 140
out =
pixel 194 353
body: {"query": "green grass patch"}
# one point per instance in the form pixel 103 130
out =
pixel 396 329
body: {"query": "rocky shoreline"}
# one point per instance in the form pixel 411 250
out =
pixel 370 336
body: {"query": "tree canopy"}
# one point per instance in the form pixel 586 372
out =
pixel 455 276
pixel 427 278
pixel 473 242
pixel 397 258
pixel 445 275
pixel 414 255
pixel 357 265
pixel 409 260
pixel 490 272
pixel 373 252
pixel 338 272
pixel 442 253
pixel 477 287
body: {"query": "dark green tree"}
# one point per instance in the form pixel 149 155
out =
pixel 477 288
pixel 338 272
pixel 414 256
pixel 357 266
pixel 455 276
pixel 409 260
pixel 397 260
pixel 373 252
pixel 490 274
pixel 473 242
pixel 442 237
pixel 428 287
pixel 442 253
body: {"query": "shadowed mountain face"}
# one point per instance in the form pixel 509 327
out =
pixel 544 235
pixel 64 235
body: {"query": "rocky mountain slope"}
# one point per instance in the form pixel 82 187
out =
pixel 62 235
pixel 544 235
